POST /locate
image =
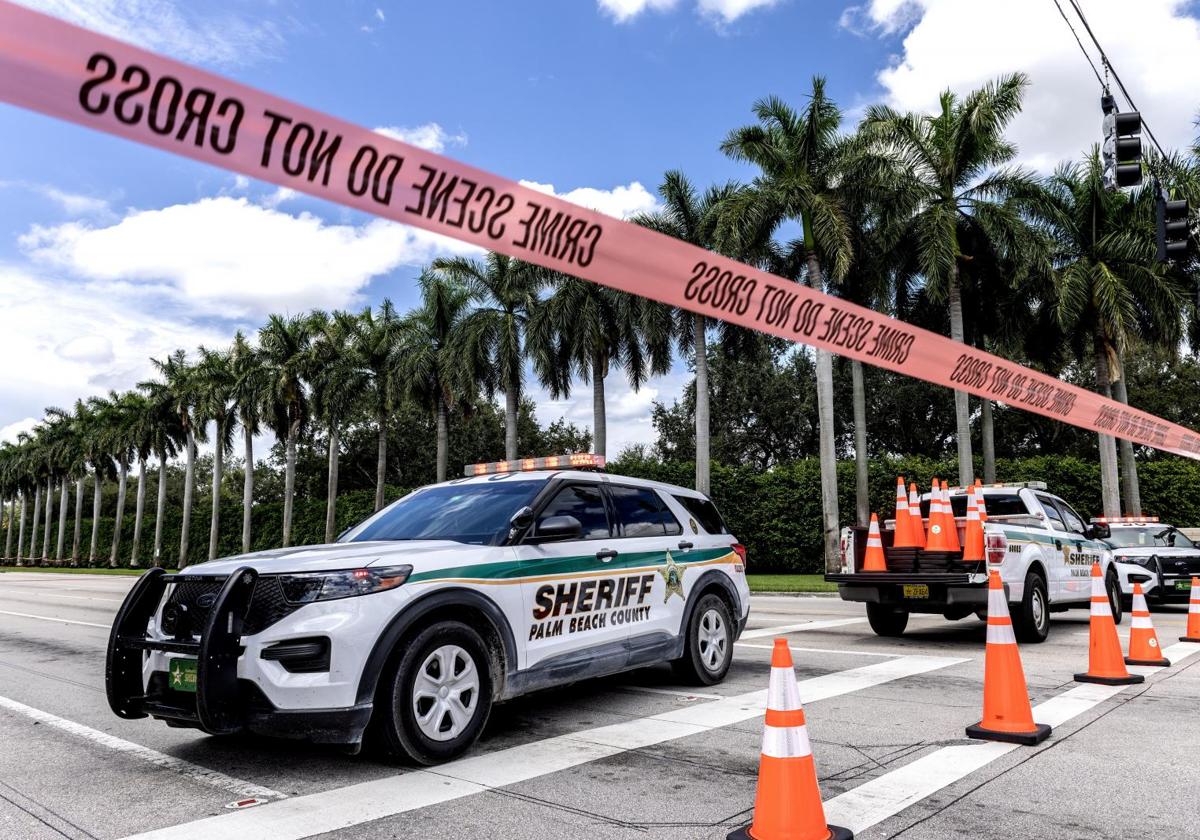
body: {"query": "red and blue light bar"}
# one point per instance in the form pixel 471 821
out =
pixel 574 461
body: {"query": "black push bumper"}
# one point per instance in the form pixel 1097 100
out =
pixel 221 704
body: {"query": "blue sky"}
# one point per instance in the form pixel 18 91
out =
pixel 111 252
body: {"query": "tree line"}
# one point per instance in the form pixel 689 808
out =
pixel 922 216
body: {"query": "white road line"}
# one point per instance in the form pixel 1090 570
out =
pixel 194 772
pixel 670 692
pixel 885 796
pixel 764 632
pixel 305 816
pixel 822 650
pixel 4 594
pixel 59 620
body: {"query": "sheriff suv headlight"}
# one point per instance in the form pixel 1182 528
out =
pixel 307 587
pixel 1145 562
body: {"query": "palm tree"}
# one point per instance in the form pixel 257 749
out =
pixel 956 188
pixel 71 463
pixel 507 292
pixel 180 382
pixel 167 433
pixel 375 341
pixel 143 432
pixel 116 417
pixel 32 463
pixel 1108 289
pixel 589 328
pixel 801 157
pixel 249 386
pixel 284 349
pixel 338 380
pixel 214 384
pixel 8 492
pixel 693 218
pixel 431 370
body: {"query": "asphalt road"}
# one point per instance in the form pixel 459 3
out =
pixel 628 757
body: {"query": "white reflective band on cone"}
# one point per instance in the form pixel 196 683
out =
pixel 786 742
pixel 1099 608
pixel 1098 590
pixel 874 542
pixel 1194 606
pixel 1139 604
pixel 997 605
pixel 1142 622
pixel 1001 634
pixel 783 695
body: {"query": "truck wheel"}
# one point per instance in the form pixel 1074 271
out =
pixel 1031 617
pixel 1114 597
pixel 886 620
pixel 708 646
pixel 438 697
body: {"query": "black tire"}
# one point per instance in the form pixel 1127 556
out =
pixel 1113 587
pixel 399 706
pixel 1031 617
pixel 708 643
pixel 887 620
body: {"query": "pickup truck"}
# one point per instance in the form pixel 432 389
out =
pixel 1042 548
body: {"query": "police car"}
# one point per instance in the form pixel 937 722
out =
pixel 1156 555
pixel 517 577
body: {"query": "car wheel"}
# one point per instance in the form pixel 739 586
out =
pixel 1031 617
pixel 708 649
pixel 1114 597
pixel 886 620
pixel 440 694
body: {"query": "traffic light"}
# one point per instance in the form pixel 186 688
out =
pixel 1122 146
pixel 1172 228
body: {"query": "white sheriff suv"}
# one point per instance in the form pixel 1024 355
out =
pixel 1158 556
pixel 520 576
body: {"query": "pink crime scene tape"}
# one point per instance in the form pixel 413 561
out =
pixel 74 74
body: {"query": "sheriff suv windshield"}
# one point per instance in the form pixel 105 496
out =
pixel 1154 536
pixel 477 514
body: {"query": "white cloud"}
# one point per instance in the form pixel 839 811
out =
pixel 281 195
pixel 9 433
pixel 430 136
pixel 727 11
pixel 961 44
pixel 379 14
pixel 73 204
pixel 623 10
pixel 621 201
pixel 230 258
pixel 86 348
pixel 173 28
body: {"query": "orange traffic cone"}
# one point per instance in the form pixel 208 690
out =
pixel 1193 626
pixel 874 561
pixel 973 543
pixel 1143 641
pixel 1106 665
pixel 979 503
pixel 952 543
pixel 787 805
pixel 903 537
pixel 935 536
pixel 914 510
pixel 1007 715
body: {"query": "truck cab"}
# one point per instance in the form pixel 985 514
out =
pixel 1041 546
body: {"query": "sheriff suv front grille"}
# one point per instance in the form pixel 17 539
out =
pixel 188 606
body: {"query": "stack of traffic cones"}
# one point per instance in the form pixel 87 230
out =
pixel 787 805
pixel 952 543
pixel 903 536
pixel 874 561
pixel 935 536
pixel 1143 641
pixel 914 511
pixel 1193 625
pixel 973 540
pixel 1007 715
pixel 1106 665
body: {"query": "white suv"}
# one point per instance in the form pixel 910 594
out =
pixel 515 578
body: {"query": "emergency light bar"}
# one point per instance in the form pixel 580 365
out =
pixel 577 460
pixel 1124 520
pixel 1012 485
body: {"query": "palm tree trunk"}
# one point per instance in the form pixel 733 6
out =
pixel 512 396
pixel 599 418
pixel 1109 489
pixel 75 540
pixel 332 489
pixel 862 495
pixel 247 488
pixel 21 530
pixel 381 458
pixel 12 515
pixel 443 439
pixel 122 486
pixel 61 545
pixel 37 515
pixel 161 509
pixel 827 450
pixel 189 487
pixel 962 405
pixel 1129 472
pixel 987 432
pixel 703 440
pixel 95 545
pixel 138 513
pixel 289 482
pixel 214 529
pixel 49 520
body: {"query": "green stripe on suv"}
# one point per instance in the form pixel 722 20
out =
pixel 517 569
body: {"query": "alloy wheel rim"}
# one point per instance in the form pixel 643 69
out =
pixel 445 693
pixel 712 640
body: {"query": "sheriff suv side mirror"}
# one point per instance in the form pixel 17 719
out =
pixel 556 529
pixel 1098 531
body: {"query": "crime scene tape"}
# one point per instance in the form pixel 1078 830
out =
pixel 74 74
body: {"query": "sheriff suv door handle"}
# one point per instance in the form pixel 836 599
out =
pixel 605 555
pixel 684 545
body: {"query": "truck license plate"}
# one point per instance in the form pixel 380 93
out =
pixel 916 590
pixel 182 675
